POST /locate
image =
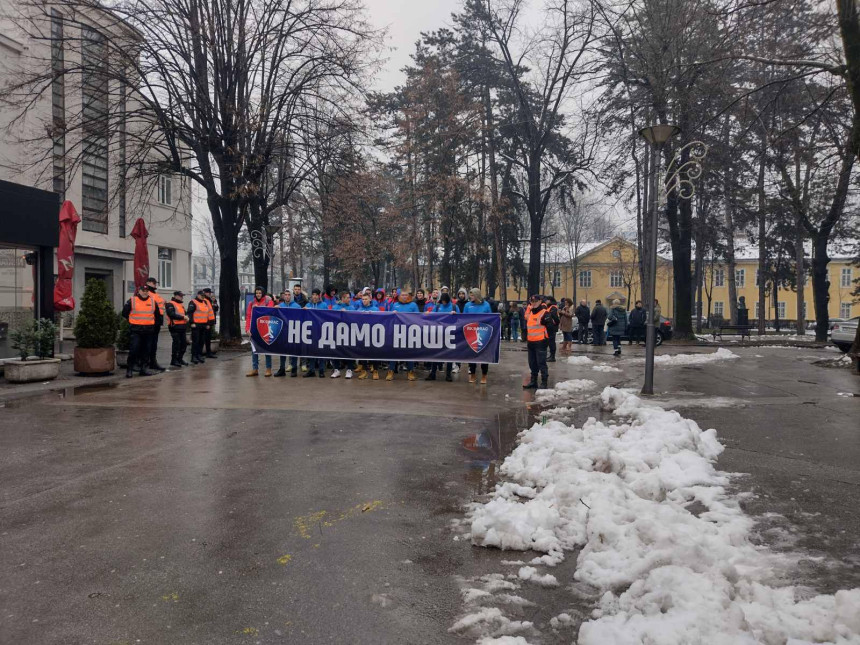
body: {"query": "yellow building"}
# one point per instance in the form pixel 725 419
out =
pixel 609 270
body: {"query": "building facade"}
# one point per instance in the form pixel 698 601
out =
pixel 87 165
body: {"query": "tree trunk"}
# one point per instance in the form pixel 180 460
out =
pixel 849 27
pixel 762 245
pixel 260 244
pixel 227 235
pixel 536 225
pixel 800 278
pixel 679 212
pixel 498 244
pixel 775 294
pixel 820 286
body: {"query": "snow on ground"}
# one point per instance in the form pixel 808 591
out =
pixel 564 391
pixel 603 367
pixel 620 490
pixel 722 354
pixel 580 360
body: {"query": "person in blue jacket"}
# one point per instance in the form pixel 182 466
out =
pixel 477 305
pixel 286 301
pixel 344 304
pixel 367 305
pixel 404 305
pixel 316 365
pixel 443 306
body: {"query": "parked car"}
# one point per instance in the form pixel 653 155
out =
pixel 664 331
pixel 843 333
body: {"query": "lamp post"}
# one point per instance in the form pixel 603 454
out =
pixel 262 245
pixel 677 179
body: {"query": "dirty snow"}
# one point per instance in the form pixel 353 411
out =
pixel 603 367
pixel 722 354
pixel 619 490
pixel 580 360
pixel 565 390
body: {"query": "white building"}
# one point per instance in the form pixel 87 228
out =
pixel 83 166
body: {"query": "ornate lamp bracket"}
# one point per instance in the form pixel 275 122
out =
pixel 690 169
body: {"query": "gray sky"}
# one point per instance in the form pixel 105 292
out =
pixel 405 20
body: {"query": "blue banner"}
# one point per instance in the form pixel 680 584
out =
pixel 376 336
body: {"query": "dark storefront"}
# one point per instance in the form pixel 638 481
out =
pixel 29 233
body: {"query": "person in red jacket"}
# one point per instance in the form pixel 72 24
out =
pixel 260 300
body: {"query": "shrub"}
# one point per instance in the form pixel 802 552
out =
pixel 35 336
pixel 95 325
pixel 21 339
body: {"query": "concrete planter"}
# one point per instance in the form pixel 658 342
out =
pixel 97 360
pixel 122 358
pixel 215 345
pixel 46 369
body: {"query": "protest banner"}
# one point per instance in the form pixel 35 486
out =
pixel 376 336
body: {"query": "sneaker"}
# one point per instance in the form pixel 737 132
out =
pixel 390 375
pixel 304 368
pixel 348 374
pixel 361 376
pixel 456 369
pixel 335 374
pixel 375 375
pixel 617 352
pixel 410 376
pixel 252 373
pixel 268 371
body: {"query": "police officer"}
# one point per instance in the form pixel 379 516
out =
pixel 143 316
pixel 177 322
pixel 537 319
pixel 210 327
pixel 152 285
pixel 198 316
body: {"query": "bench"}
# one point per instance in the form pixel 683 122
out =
pixel 743 330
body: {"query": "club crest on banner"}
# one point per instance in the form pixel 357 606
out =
pixel 477 335
pixel 269 327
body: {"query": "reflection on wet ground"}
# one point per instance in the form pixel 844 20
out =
pixel 484 452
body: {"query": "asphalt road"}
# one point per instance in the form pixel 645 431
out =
pixel 205 507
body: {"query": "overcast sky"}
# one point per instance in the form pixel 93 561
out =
pixel 405 20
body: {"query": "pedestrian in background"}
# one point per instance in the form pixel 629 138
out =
pixel 477 305
pixel 565 315
pixel 598 320
pixel 637 320
pixel 177 322
pixel 198 315
pixel 210 324
pixel 552 324
pixel 617 322
pixel 152 286
pixel 143 317
pixel 583 315
pixel 514 322
pixel 260 300
pixel 522 312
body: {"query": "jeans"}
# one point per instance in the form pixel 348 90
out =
pixel 316 365
pixel 551 342
pixel 255 361
pixel 437 366
pixel 515 330
pixel 410 365
pixel 582 332
pixel 294 363
pixel 537 361
pixel 616 341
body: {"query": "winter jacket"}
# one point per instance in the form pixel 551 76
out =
pixel 583 315
pixel 620 327
pixel 148 329
pixel 265 301
pixel 292 305
pixel 459 305
pixel 330 301
pixel 301 300
pixel 405 308
pixel 439 308
pixel 339 306
pixel 422 303
pixel 318 305
pixel 637 317
pixel 475 308
pixel 566 318
pixel 552 319
pixel 598 317
pixel 373 306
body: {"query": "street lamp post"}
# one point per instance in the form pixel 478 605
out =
pixel 678 178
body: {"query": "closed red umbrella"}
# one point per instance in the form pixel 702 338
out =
pixel 69 218
pixel 141 253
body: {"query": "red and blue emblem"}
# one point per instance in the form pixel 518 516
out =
pixel 477 335
pixel 269 328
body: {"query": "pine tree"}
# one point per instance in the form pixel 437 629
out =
pixel 95 325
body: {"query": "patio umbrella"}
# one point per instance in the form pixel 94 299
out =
pixel 69 218
pixel 141 253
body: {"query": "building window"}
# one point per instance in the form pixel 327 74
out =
pixel 165 190
pixel 846 278
pixel 805 310
pixel 94 160
pixel 757 310
pixel 756 277
pixel 845 310
pixel 165 268
pixel 719 278
pixel 556 278
pixel 58 104
pixel 718 308
pixel 616 279
pixel 585 279
pixel 780 310
pixel 740 277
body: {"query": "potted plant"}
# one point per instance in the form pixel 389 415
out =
pixel 95 331
pixel 216 340
pixel 36 336
pixel 123 341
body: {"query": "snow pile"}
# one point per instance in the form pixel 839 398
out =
pixel 488 623
pixel 722 354
pixel 580 360
pixel 621 491
pixel 565 390
pixel 603 367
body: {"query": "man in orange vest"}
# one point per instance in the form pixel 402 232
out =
pixel 152 285
pixel 198 316
pixel 143 316
pixel 213 315
pixel 176 322
pixel 537 337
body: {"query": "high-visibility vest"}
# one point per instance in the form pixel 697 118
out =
pixel 211 310
pixel 535 332
pixel 158 300
pixel 201 312
pixel 142 312
pixel 180 309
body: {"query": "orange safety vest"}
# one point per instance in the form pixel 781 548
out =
pixel 142 311
pixel 158 300
pixel 211 310
pixel 180 309
pixel 202 311
pixel 535 332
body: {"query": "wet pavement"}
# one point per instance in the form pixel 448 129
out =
pixel 207 507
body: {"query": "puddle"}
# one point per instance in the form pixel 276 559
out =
pixel 77 390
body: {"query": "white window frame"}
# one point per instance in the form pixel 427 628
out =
pixel 585 279
pixel 780 310
pixel 556 278
pixel 616 279
pixel 757 310
pixel 719 278
pixel 740 278
pixel 719 310
pixel 845 310
pixel 846 277
pixel 805 310
pixel 165 267
pixel 165 190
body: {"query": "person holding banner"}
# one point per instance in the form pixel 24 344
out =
pixel 537 319
pixel 444 306
pixel 316 366
pixel 287 301
pixel 477 305
pixel 403 304
pixel 260 300
pixel 345 304
pixel 367 305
